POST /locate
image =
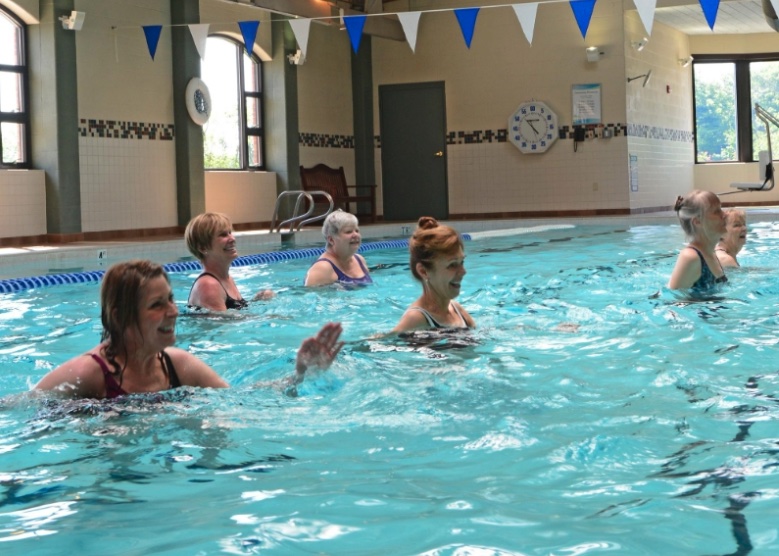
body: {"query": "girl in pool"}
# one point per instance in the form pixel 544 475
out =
pixel 340 262
pixel 209 237
pixel 697 267
pixel 136 354
pixel 437 260
pixel 734 239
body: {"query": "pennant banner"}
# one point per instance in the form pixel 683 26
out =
pixel 354 25
pixel 710 8
pixel 646 11
pixel 199 34
pixel 152 33
pixel 582 11
pixel 526 14
pixel 249 32
pixel 467 19
pixel 301 28
pixel 410 23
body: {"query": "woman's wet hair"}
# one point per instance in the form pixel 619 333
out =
pixel 734 214
pixel 120 293
pixel 202 229
pixel 337 220
pixel 693 205
pixel 430 240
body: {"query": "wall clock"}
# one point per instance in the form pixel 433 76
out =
pixel 533 127
pixel 198 101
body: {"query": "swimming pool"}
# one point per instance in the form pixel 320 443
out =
pixel 591 415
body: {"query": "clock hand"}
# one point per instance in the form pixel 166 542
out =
pixel 530 123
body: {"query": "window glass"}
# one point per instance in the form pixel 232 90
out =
pixel 221 134
pixel 763 79
pixel 10 42
pixel 715 112
pixel 10 91
pixel 12 141
pixel 233 134
pixel 14 118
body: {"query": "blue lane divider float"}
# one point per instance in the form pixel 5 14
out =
pixel 20 284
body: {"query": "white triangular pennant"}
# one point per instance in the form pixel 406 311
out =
pixel 199 33
pixel 410 23
pixel 646 11
pixel 526 14
pixel 301 28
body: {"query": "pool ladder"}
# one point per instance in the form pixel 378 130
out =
pixel 298 220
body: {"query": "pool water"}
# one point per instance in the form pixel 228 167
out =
pixel 592 412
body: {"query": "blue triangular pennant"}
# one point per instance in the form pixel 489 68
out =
pixel 710 8
pixel 354 25
pixel 582 11
pixel 152 33
pixel 249 32
pixel 466 17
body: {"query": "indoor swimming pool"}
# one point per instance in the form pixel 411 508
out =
pixel 591 412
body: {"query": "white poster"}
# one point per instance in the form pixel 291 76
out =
pixel 586 104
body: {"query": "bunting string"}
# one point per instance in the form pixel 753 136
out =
pixel 466 17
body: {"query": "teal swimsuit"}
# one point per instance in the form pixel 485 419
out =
pixel 707 281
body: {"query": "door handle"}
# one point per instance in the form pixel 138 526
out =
pixel 439 154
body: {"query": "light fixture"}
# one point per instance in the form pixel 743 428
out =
pixel 684 62
pixel 638 46
pixel 644 75
pixel 593 53
pixel 73 22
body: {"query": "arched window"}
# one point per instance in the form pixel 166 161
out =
pixel 14 104
pixel 233 135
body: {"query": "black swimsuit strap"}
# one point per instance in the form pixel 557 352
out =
pixel 170 370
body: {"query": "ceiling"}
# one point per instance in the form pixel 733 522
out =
pixel 733 18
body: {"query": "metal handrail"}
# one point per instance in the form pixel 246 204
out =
pixel 298 220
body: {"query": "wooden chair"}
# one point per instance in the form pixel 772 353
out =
pixel 333 181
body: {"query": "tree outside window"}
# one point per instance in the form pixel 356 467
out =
pixel 726 90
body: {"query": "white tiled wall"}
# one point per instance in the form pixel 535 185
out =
pixel 22 203
pixel 127 184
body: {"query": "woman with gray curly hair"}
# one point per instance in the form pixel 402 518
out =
pixel 340 263
pixel 697 267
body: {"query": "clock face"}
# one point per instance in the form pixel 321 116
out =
pixel 533 127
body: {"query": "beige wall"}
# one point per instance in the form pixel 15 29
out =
pixel 659 115
pixel 486 83
pixel 325 114
pixel 246 197
pixel 22 203
pixel 119 82
pixel 27 10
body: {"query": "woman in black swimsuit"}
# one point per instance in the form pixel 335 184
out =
pixel 136 354
pixel 437 259
pixel 209 237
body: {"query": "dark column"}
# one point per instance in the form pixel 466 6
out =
pixel 54 116
pixel 362 99
pixel 190 178
pixel 281 109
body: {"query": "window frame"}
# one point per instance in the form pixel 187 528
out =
pixel 22 117
pixel 245 130
pixel 744 103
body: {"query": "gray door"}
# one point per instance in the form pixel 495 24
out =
pixel 413 151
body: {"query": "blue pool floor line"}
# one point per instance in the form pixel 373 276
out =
pixel 20 284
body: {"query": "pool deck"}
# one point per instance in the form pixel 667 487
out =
pixel 35 260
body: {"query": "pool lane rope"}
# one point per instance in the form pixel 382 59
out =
pixel 20 284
